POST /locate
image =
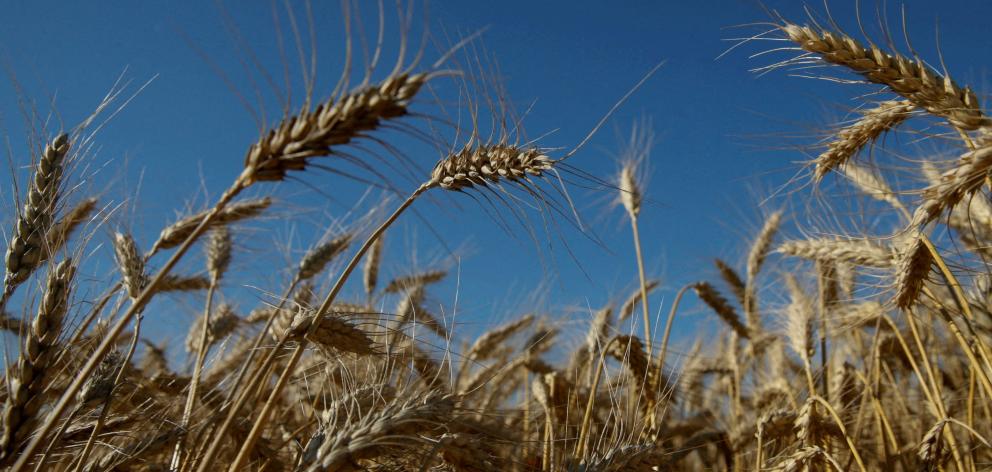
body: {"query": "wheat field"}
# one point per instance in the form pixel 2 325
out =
pixel 847 349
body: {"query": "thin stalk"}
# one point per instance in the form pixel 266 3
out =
pixel 256 429
pixel 644 285
pixel 580 446
pixel 662 354
pixel 108 341
pixel 961 301
pixel 934 385
pixel 201 354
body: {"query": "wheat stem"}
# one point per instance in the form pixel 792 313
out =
pixel 643 283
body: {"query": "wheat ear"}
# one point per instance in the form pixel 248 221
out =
pixel 961 181
pixel 27 245
pixel 178 232
pixel 708 294
pixel 755 259
pixel 860 252
pixel 912 270
pixel 851 139
pixel 912 79
pixel 28 378
pixel 376 433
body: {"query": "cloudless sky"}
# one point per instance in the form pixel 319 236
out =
pixel 726 137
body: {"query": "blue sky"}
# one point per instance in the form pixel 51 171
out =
pixel 726 138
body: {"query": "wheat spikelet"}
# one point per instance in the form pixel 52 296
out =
pixel 911 79
pixel 630 305
pixel 130 264
pixel 860 252
pixel 10 323
pixel 630 190
pixel 486 165
pixel 733 280
pixel 180 283
pixel 62 230
pixel 100 384
pixel 755 259
pixel 930 451
pixel 487 344
pixel 27 243
pixel 317 258
pixel 802 459
pixel 963 180
pixel 598 329
pixel 219 252
pixel 468 453
pixel 332 332
pixel 762 244
pixel 630 350
pixel 176 233
pixel 222 323
pixel 721 307
pixel 28 378
pixel 871 184
pixel 911 271
pixel 851 139
pixel 333 123
pixel 408 282
pixel 370 272
pixel 410 308
pixel 776 424
pixel 378 432
pixel 857 315
pixel 799 320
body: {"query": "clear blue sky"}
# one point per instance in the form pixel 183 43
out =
pixel 725 135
